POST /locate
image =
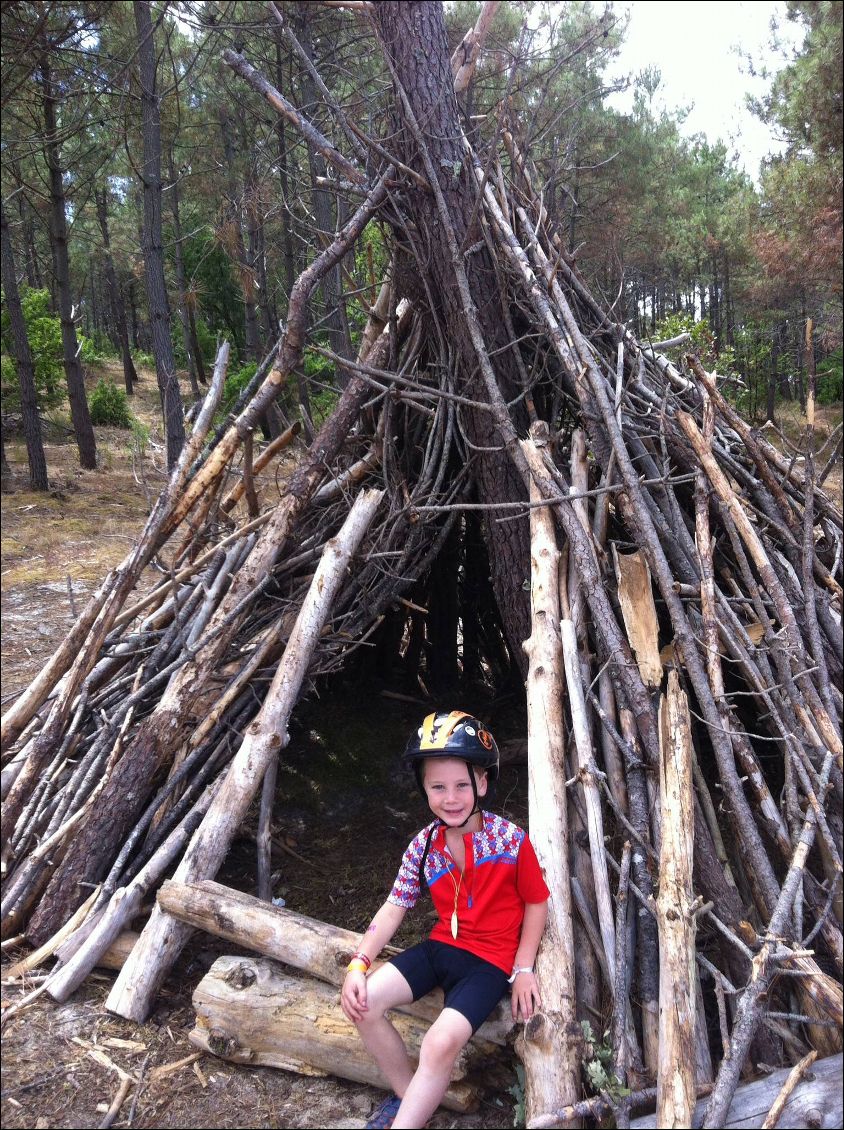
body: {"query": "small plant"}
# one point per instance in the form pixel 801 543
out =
pixel 597 1064
pixel 140 435
pixel 109 405
pixel 236 382
pixel 143 360
pixel 518 1093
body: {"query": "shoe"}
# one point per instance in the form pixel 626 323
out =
pixel 382 1118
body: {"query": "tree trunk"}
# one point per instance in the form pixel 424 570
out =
pixel 323 204
pixel 188 329
pixel 79 413
pixel 26 211
pixel 129 374
pixel 159 305
pixel 23 360
pixel 427 81
pixel 233 224
pixel 288 257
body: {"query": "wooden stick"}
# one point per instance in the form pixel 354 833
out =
pixel 265 457
pixel 795 1075
pixel 675 919
pixel 117 1102
pixel 591 792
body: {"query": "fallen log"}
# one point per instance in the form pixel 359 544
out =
pixel 816 1102
pixel 314 947
pixel 249 1011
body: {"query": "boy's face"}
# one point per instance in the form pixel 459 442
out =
pixel 448 788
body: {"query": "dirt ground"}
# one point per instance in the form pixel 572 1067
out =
pixel 61 1063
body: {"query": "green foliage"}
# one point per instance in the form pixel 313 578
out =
pixel 518 1093
pixel 703 342
pixel 236 382
pixel 109 405
pixel 210 270
pixel 800 237
pixel 91 352
pixel 143 360
pixel 207 341
pixel 597 1064
pixel 830 378
pixel 323 403
pixel 323 392
pixel 140 434
pixel 44 332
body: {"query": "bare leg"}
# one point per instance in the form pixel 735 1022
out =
pixel 440 1048
pixel 385 989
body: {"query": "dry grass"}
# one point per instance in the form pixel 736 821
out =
pixel 58 546
pixel 791 422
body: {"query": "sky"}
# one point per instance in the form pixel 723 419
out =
pixel 696 46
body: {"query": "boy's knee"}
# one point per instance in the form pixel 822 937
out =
pixel 371 1016
pixel 441 1045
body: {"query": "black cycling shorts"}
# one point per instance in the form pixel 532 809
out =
pixel 471 985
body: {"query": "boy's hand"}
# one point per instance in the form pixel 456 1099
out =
pixel 525 997
pixel 353 996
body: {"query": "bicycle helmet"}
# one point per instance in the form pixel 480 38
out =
pixel 452 734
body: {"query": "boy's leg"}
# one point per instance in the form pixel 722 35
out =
pixel 386 989
pixel 440 1048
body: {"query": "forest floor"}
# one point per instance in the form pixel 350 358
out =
pixel 338 843
pixel 340 764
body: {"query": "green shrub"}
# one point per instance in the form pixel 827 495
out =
pixel 323 402
pixel 236 382
pixel 322 390
pixel 207 341
pixel 830 378
pixel 44 332
pixel 143 360
pixel 109 405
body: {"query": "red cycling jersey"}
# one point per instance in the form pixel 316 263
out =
pixel 501 874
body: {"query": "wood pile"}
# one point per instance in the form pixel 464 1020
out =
pixel 683 626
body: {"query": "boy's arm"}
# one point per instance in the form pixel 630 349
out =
pixel 381 929
pixel 525 996
pixel 377 935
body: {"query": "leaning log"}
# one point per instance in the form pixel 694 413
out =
pixel 249 1011
pixel 314 947
pixel 816 1102
pixel 550 1045
pixel 675 915
pixel 163 938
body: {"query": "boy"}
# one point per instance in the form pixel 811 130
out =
pixel 491 900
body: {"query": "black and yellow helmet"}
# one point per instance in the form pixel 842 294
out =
pixel 453 734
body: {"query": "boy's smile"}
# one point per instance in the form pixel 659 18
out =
pixel 448 788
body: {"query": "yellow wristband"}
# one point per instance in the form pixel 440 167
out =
pixel 356 966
